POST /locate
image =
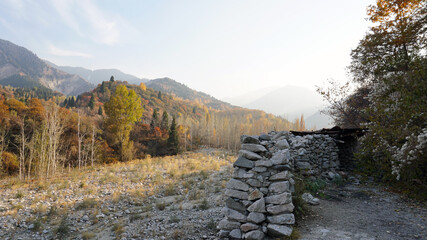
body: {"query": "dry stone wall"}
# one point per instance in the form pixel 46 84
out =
pixel 259 195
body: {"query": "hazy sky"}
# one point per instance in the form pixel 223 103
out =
pixel 221 47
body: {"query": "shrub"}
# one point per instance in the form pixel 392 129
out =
pixel 10 163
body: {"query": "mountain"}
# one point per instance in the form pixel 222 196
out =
pixel 248 97
pixel 180 90
pixel 20 67
pixel 99 75
pixel 318 121
pixel 289 101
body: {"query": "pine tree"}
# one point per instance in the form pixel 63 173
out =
pixel 173 141
pixel 159 96
pixel 154 120
pixel 91 104
pixel 112 79
pixel 164 125
pixel 100 112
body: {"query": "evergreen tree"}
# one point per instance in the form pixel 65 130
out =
pixel 164 125
pixel 154 120
pixel 91 104
pixel 100 112
pixel 112 79
pixel 159 96
pixel 71 102
pixel 173 140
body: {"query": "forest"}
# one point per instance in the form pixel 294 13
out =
pixel 42 134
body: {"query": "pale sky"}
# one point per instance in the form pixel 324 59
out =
pixel 222 47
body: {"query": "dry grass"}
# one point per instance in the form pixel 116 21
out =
pixel 187 175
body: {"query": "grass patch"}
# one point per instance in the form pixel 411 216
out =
pixel 63 229
pixel 19 195
pixel 88 235
pixel 118 229
pixel 86 204
pixel 204 205
pixel 211 225
pixel 313 186
pixel 135 216
pixel 174 219
pixel 161 206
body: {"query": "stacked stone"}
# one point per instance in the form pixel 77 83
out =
pixel 314 155
pixel 259 202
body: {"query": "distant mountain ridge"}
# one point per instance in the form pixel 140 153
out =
pixel 19 67
pixel 288 101
pixel 171 86
pixel 99 75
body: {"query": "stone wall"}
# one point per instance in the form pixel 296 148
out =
pixel 259 195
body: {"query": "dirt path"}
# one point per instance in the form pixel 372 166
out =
pixel 364 213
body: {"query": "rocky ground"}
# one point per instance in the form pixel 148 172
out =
pixel 160 198
pixel 182 198
pixel 364 212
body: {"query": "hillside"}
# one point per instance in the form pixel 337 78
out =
pixel 180 90
pixel 20 67
pixel 98 75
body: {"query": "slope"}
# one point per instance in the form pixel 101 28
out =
pixel 22 67
pixel 180 90
pixel 99 75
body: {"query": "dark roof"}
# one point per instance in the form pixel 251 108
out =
pixel 336 132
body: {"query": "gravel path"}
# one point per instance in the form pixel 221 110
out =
pixel 364 213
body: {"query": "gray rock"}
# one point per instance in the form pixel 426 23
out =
pixel 280 134
pixel 239 173
pixel 287 218
pixel 234 215
pixel 230 203
pixel 259 169
pixel 248 227
pixel 308 198
pixel 256 217
pixel 235 234
pixel 257 206
pixel 249 139
pixel 243 162
pixel 264 190
pixel 249 155
pixel 280 157
pixel 237 185
pixel 254 235
pixel 256 148
pixel 282 144
pixel 277 209
pixel 236 194
pixel 282 167
pixel 279 187
pixel 254 182
pixel 223 233
pixel 225 224
pixel 263 163
pixel 302 151
pixel 255 194
pixel 285 175
pixel 279 199
pixel 276 230
pixel 264 137
pixel 303 165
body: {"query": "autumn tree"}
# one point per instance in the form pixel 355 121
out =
pixel 389 70
pixel 123 109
